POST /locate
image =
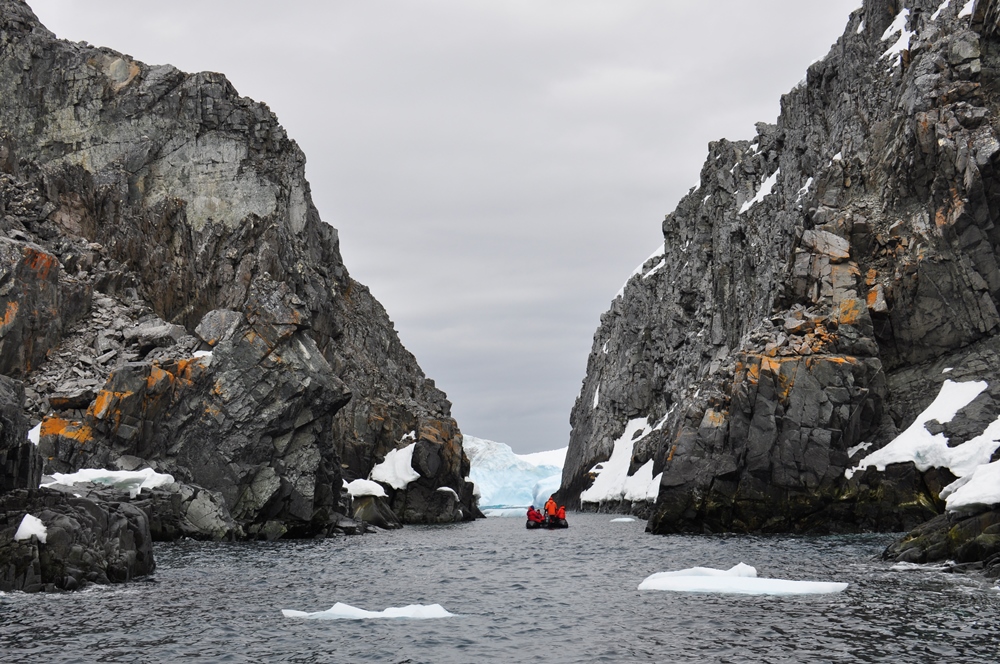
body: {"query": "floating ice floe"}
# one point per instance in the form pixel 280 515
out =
pixel 31 525
pixel 340 611
pixel 626 519
pixel 739 580
pixel 505 512
pixel 132 481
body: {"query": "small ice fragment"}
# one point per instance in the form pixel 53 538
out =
pixel 741 580
pixel 31 525
pixel 340 611
pixel 626 519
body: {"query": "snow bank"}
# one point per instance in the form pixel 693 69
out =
pixel 765 190
pixel 505 479
pixel 31 525
pixel 980 489
pixel 613 482
pixel 359 488
pixel 340 611
pixel 132 481
pixel 660 251
pixel 941 8
pixel 397 468
pixel 927 450
pixel 978 483
pixel 898 26
pixel 740 579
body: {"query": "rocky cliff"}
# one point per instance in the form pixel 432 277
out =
pixel 171 298
pixel 826 282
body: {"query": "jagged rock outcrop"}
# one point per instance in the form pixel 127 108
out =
pixel 84 542
pixel 169 212
pixel 812 291
pixel 962 538
pixel 20 462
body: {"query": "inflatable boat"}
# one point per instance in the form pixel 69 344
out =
pixel 548 525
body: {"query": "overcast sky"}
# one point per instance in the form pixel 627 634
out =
pixel 496 168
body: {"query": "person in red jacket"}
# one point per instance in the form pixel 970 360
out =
pixel 535 516
pixel 561 513
pixel 551 508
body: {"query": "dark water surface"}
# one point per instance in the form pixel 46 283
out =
pixel 521 596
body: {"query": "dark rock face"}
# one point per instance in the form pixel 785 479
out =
pixel 812 291
pixel 173 216
pixel 173 510
pixel 266 394
pixel 20 462
pixel 86 542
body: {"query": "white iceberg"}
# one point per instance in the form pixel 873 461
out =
pixel 505 479
pixel 340 611
pixel 739 580
pixel 132 481
pixel 31 525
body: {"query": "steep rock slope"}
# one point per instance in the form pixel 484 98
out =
pixel 140 204
pixel 811 295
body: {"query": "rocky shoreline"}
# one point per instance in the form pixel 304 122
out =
pixel 173 302
pixel 826 282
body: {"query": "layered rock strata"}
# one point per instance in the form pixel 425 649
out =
pixel 810 293
pixel 149 216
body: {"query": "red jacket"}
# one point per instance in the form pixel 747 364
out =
pixel 550 507
pixel 562 512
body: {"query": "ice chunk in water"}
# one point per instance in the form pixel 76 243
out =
pixel 740 580
pixel 341 611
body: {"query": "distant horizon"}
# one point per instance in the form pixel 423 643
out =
pixel 495 170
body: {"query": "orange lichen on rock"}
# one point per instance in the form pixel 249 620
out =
pixel 105 401
pixel 849 311
pixel 9 315
pixel 57 426
pixel 157 377
pixel 39 262
pixel 713 418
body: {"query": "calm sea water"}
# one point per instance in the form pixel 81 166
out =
pixel 521 596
